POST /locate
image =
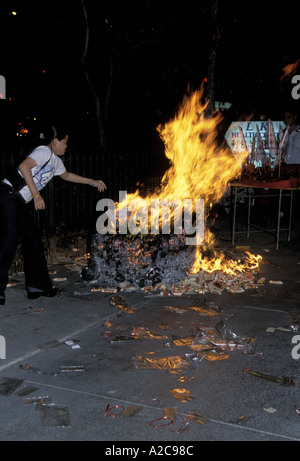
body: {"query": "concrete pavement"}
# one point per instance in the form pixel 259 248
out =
pixel 104 386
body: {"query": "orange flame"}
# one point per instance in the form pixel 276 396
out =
pixel 200 169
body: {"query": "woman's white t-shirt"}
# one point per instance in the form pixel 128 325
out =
pixel 41 176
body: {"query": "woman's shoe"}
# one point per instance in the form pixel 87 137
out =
pixel 48 293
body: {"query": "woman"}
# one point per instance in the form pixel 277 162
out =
pixel 17 191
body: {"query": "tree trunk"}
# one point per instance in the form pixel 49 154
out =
pixel 95 93
pixel 212 57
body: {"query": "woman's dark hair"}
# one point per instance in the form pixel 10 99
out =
pixel 50 132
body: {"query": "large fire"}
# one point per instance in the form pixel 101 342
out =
pixel 200 169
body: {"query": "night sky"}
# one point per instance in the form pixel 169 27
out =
pixel 142 57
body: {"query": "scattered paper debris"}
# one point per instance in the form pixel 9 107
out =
pixel 175 309
pixel 9 385
pixel 214 354
pixel 286 381
pixel 73 344
pixel 261 280
pixel 26 391
pixel 71 368
pixel 184 379
pixel 174 364
pixel 114 411
pixel 272 329
pixel 206 310
pixel 146 333
pixel 168 418
pixel 243 418
pixel 120 303
pixel 296 410
pixel 181 394
pixel 27 367
pixel 131 410
pixel 170 412
pixel 109 290
pixel 270 410
pixel 39 400
pixel 50 344
pixel 55 415
pixel 195 417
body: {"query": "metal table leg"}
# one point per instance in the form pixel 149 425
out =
pixel 278 219
pixel 276 231
pixel 234 215
pixel 290 217
pixel 249 210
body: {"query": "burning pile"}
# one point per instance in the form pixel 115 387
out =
pixel 166 264
pixel 141 262
pixel 200 170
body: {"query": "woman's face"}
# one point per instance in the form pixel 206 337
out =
pixel 59 147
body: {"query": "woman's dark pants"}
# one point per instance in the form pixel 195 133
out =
pixel 17 223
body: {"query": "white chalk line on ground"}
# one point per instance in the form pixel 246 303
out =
pixel 61 340
pixel 150 407
pixel 90 394
pixel 258 308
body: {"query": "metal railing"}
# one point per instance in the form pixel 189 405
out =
pixel 71 205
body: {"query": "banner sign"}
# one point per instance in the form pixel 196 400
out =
pixel 260 138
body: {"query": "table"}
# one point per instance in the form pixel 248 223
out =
pixel 285 188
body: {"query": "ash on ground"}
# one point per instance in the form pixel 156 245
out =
pixel 157 263
pixel 142 261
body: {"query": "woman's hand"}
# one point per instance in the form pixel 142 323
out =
pixel 39 203
pixel 72 177
pixel 99 184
